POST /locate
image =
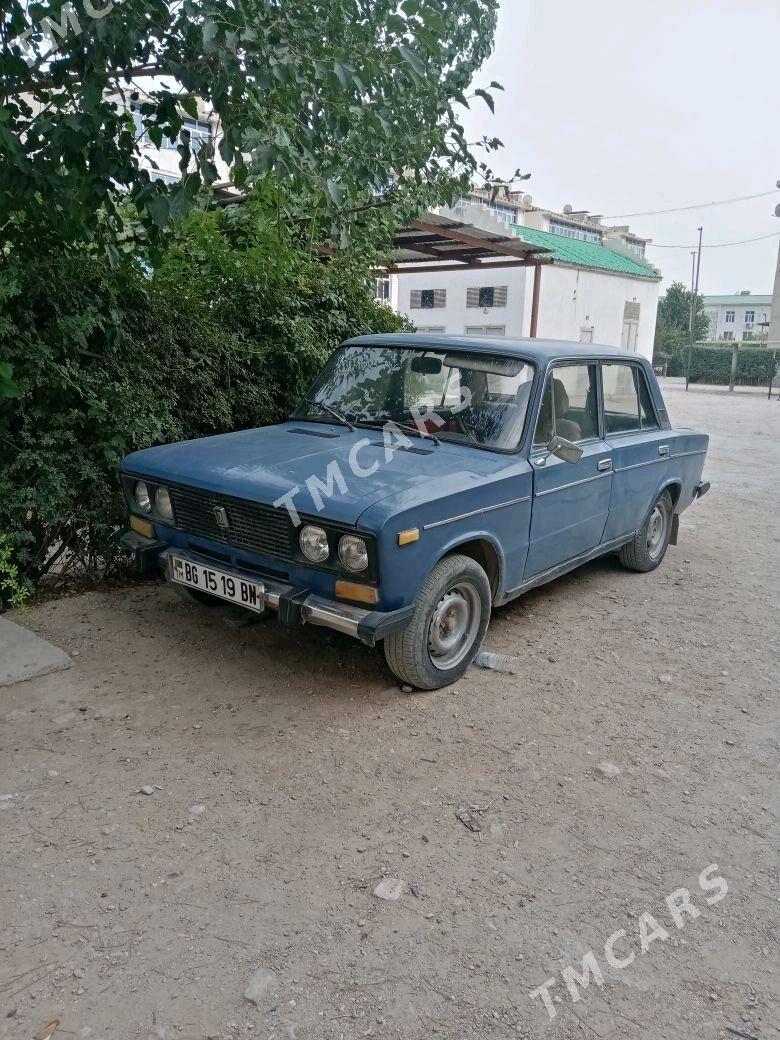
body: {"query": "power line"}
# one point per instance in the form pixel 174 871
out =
pixel 718 245
pixel 681 209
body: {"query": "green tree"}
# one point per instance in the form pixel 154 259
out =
pixel 673 321
pixel 226 333
pixel 336 99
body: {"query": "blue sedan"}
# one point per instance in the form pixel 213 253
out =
pixel 421 481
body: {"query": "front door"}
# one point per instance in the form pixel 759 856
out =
pixel 571 500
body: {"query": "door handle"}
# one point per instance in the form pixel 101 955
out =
pixel 604 465
pixel 663 449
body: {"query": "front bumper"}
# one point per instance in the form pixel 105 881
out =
pixel 294 606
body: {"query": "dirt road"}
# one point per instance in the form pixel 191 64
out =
pixel 290 775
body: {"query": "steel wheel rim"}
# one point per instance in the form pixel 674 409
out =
pixel 656 531
pixel 454 625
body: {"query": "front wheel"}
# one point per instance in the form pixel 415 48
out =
pixel 445 633
pixel 648 548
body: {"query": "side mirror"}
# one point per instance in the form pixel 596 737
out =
pixel 563 449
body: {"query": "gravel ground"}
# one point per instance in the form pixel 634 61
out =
pixel 290 775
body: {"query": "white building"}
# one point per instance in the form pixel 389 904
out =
pixel 597 290
pixel 739 317
pixel 163 162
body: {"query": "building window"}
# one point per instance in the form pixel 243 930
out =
pixel 748 335
pixel 635 246
pixel 750 317
pixel 431 330
pixel 200 133
pixel 730 317
pixel 427 298
pixel 728 335
pixel 486 296
pixel 506 214
pixel 561 227
pixel 382 289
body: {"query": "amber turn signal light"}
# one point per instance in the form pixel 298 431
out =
pixel 142 526
pixel 359 593
pixel 407 537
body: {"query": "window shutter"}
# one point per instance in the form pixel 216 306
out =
pixel 439 297
pixel 472 297
pixel 415 299
pixel 499 296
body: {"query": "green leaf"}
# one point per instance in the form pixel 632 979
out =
pixel 190 105
pixel 486 98
pixel 413 59
pixel 335 191
pixel 159 209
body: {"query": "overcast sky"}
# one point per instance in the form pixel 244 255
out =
pixel 619 108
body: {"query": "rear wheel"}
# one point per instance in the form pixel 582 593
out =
pixel 646 551
pixel 445 633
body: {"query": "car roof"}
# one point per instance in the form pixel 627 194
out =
pixel 542 351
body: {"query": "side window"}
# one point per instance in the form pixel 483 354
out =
pixel 646 410
pixel 568 405
pixel 621 404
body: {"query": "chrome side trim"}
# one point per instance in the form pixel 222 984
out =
pixel 574 483
pixel 563 568
pixel 682 454
pixel 636 465
pixel 476 512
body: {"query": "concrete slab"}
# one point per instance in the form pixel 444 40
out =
pixel 23 655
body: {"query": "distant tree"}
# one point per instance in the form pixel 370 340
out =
pixel 672 323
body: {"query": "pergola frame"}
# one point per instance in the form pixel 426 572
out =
pixel 439 243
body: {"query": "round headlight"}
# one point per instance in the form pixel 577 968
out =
pixel 162 504
pixel 353 553
pixel 314 544
pixel 142 499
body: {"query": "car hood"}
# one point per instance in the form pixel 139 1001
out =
pixel 262 465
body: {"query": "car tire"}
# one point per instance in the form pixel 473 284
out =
pixel 451 616
pixel 646 551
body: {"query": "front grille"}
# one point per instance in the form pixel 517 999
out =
pixel 252 527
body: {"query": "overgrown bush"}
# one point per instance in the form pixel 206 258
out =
pixel 225 334
pixel 713 364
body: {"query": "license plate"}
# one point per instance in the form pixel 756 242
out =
pixel 249 594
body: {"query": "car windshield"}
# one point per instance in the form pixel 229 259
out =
pixel 471 397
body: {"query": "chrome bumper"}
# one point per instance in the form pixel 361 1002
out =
pixel 293 605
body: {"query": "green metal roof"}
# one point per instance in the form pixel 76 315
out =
pixel 587 254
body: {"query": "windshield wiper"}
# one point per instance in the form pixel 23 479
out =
pixel 331 411
pixel 411 427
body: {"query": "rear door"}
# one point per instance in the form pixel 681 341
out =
pixel 571 500
pixel 640 448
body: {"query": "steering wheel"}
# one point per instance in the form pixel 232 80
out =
pixel 468 429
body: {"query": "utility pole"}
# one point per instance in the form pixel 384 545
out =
pixel 695 268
